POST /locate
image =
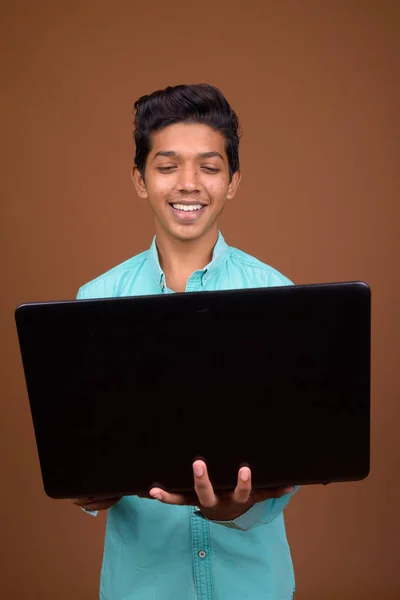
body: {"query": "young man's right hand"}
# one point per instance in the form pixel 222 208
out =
pixel 96 503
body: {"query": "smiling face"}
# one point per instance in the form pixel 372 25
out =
pixel 186 180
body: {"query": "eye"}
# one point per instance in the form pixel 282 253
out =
pixel 210 169
pixel 166 169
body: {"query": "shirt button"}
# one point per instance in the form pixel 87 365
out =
pixel 202 554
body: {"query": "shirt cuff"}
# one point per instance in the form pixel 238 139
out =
pixel 92 513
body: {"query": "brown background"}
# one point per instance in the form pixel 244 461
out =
pixel 316 85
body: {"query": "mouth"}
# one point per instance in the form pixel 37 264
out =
pixel 187 211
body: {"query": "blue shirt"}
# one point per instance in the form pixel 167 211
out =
pixel 155 551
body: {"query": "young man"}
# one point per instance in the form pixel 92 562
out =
pixel 204 546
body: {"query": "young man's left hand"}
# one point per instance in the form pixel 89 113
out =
pixel 226 506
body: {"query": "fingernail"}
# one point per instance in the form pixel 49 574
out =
pixel 289 490
pixel 198 470
pixel 157 496
pixel 244 474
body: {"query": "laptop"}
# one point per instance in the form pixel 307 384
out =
pixel 126 392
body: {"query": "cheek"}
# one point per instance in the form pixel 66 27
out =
pixel 159 189
pixel 218 189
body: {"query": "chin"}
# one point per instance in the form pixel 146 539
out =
pixel 187 232
pixel 187 236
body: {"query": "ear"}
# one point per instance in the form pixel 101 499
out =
pixel 234 184
pixel 139 183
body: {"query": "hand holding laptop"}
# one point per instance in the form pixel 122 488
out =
pixel 227 506
pixel 224 507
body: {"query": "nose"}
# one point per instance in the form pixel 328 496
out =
pixel 188 179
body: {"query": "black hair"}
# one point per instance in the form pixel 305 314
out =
pixel 200 103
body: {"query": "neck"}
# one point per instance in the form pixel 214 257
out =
pixel 180 258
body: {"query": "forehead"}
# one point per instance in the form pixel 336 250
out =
pixel 188 139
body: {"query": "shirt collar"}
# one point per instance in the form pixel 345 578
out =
pixel 219 257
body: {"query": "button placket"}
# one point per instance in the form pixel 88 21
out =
pixel 201 557
pixel 162 284
pixel 194 282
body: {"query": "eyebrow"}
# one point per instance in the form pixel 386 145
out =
pixel 171 153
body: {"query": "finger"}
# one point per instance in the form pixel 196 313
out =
pixel 166 497
pixel 202 485
pixel 243 488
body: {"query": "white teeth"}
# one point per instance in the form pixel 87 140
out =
pixel 187 207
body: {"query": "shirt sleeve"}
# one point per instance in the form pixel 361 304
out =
pixel 81 294
pixel 276 279
pixel 261 513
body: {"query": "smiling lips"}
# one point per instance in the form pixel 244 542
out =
pixel 187 207
pixel 187 212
